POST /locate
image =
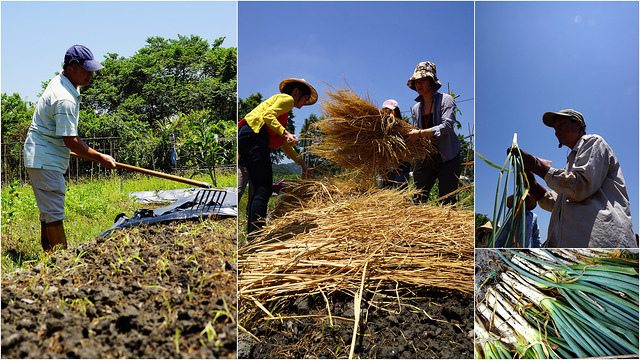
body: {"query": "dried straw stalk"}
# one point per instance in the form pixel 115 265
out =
pixel 312 193
pixel 324 247
pixel 356 135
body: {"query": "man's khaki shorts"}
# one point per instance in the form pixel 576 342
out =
pixel 49 189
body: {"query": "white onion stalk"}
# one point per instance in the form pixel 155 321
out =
pixel 488 346
pixel 532 268
pixel 507 334
pixel 515 281
pixel 527 333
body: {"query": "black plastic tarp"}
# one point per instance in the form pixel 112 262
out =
pixel 192 203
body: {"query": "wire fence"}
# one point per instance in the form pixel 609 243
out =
pixel 79 169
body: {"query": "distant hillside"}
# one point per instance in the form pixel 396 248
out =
pixel 283 171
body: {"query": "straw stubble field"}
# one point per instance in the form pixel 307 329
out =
pixel 361 273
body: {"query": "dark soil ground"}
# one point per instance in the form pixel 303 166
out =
pixel 488 267
pixel 403 324
pixel 162 291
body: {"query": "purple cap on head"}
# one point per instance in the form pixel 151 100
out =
pixel 82 55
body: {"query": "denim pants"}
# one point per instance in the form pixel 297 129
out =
pixel 395 180
pixel 255 154
pixel 428 170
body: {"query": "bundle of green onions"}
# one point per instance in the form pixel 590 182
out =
pixel 512 220
pixel 558 310
pixel 489 344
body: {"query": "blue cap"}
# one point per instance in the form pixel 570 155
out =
pixel 82 55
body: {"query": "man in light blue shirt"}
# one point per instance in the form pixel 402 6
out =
pixel 52 135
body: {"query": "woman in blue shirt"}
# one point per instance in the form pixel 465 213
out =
pixel 434 116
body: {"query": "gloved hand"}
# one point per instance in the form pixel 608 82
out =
pixel 535 164
pixel 536 190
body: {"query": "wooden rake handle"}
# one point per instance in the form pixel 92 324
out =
pixel 156 174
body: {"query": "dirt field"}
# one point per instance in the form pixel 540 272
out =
pixel 402 324
pixel 164 291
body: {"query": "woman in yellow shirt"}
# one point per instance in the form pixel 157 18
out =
pixel 264 128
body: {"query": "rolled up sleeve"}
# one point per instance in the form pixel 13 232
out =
pixel 548 200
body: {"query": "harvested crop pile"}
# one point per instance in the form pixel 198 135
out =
pixel 163 291
pixel 572 303
pixel 313 193
pixel 374 250
pixel 355 135
pixel 329 245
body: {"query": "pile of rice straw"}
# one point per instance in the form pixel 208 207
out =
pixel 327 245
pixel 311 192
pixel 355 135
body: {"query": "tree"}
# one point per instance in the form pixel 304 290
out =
pixel 16 117
pixel 310 136
pixel 481 219
pixel 165 78
pixel 183 81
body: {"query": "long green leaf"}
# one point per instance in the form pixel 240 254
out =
pixel 488 162
pixel 586 317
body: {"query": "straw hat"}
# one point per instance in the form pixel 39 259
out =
pixel 423 70
pixel 486 226
pixel 313 97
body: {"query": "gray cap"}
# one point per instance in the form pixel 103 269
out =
pixel 548 117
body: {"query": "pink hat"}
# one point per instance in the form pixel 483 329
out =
pixel 390 104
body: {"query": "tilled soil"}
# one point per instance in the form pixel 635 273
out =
pixel 488 267
pixel 403 324
pixel 163 291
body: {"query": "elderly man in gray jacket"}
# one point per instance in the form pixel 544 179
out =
pixel 588 198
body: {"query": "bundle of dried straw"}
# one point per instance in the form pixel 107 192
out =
pixel 356 135
pixel 311 193
pixel 326 245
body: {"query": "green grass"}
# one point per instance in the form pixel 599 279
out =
pixel 91 207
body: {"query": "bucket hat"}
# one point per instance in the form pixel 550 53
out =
pixel 548 117
pixel 390 104
pixel 313 97
pixel 423 70
pixel 82 55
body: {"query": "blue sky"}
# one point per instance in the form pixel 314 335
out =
pixel 534 57
pixel 373 46
pixel 36 35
